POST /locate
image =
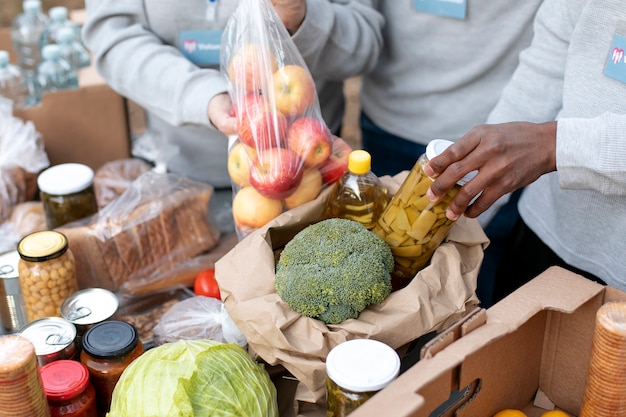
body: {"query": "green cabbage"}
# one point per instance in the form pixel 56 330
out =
pixel 194 378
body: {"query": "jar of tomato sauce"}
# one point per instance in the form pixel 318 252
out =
pixel 108 348
pixel 68 390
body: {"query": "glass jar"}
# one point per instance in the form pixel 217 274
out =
pixel 67 193
pixel 47 271
pixel 68 390
pixel 355 371
pixel 108 348
pixel 359 195
pixel 21 392
pixel 411 224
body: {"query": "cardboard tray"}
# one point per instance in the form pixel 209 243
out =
pixel 530 351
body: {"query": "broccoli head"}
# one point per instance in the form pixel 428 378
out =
pixel 332 270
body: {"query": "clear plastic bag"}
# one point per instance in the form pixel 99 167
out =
pixel 198 318
pixel 284 154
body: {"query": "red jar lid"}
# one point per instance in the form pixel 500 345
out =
pixel 64 379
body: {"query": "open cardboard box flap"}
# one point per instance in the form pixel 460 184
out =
pixel 537 340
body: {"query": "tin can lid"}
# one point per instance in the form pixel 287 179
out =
pixel 8 265
pixel 436 146
pixel 362 365
pixel 64 379
pixel 42 246
pixel 89 306
pixel 110 339
pixel 49 334
pixel 65 179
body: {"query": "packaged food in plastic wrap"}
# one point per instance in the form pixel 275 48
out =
pixel 284 153
pixel 114 177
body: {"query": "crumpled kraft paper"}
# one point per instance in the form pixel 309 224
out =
pixel 439 294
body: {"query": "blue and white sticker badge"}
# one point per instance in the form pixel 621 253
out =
pixel 456 9
pixel 616 62
pixel 202 45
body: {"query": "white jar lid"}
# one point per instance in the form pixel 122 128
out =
pixel 436 146
pixel 362 365
pixel 65 179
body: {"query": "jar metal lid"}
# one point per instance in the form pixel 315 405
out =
pixel 64 379
pixel 65 179
pixel 49 334
pixel 362 365
pixel 42 246
pixel 8 265
pixel 89 306
pixel 110 339
pixel 436 146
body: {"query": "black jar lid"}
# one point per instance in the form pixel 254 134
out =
pixel 110 339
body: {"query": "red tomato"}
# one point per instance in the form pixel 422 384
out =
pixel 206 284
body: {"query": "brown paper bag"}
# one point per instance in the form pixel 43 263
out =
pixel 440 294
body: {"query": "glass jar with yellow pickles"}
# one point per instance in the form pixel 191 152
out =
pixel 411 224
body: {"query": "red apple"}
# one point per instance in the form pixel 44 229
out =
pixel 308 189
pixel 276 172
pixel 310 139
pixel 252 67
pixel 246 100
pixel 337 163
pixel 240 159
pixel 294 90
pixel 261 127
pixel 251 209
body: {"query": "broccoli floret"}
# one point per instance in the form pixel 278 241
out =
pixel 332 270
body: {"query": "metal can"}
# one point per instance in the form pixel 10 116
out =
pixel 12 312
pixel 356 370
pixel 47 272
pixel 412 225
pixel 67 193
pixel 88 307
pixel 54 338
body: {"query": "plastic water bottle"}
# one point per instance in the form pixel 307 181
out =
pixel 71 49
pixel 54 73
pixel 59 20
pixel 26 35
pixel 12 82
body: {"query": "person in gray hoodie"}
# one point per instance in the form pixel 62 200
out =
pixel 559 130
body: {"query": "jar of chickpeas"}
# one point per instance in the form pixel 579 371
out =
pixel 412 225
pixel 47 273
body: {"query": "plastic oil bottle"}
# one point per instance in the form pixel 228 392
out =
pixel 359 195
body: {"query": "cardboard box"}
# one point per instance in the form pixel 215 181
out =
pixel 530 351
pixel 89 125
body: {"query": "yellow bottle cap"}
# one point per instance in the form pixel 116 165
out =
pixel 359 162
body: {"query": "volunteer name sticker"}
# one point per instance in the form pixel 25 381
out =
pixel 202 47
pixel 456 9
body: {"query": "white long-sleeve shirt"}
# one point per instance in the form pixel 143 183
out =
pixel 579 211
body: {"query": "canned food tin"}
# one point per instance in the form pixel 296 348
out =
pixel 12 312
pixel 54 338
pixel 67 193
pixel 88 307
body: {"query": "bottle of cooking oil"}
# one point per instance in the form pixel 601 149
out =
pixel 358 195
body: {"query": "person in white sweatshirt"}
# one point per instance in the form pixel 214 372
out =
pixel 559 130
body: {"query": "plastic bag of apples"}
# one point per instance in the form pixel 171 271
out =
pixel 284 155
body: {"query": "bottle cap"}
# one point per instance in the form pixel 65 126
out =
pixel 436 146
pixel 65 179
pixel 64 379
pixel 359 162
pixel 4 58
pixel 31 6
pixel 42 246
pixel 58 13
pixel 110 339
pixel 50 51
pixel 65 35
pixel 362 365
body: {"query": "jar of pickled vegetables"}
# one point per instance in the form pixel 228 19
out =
pixel 411 224
pixel 355 371
pixel 47 272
